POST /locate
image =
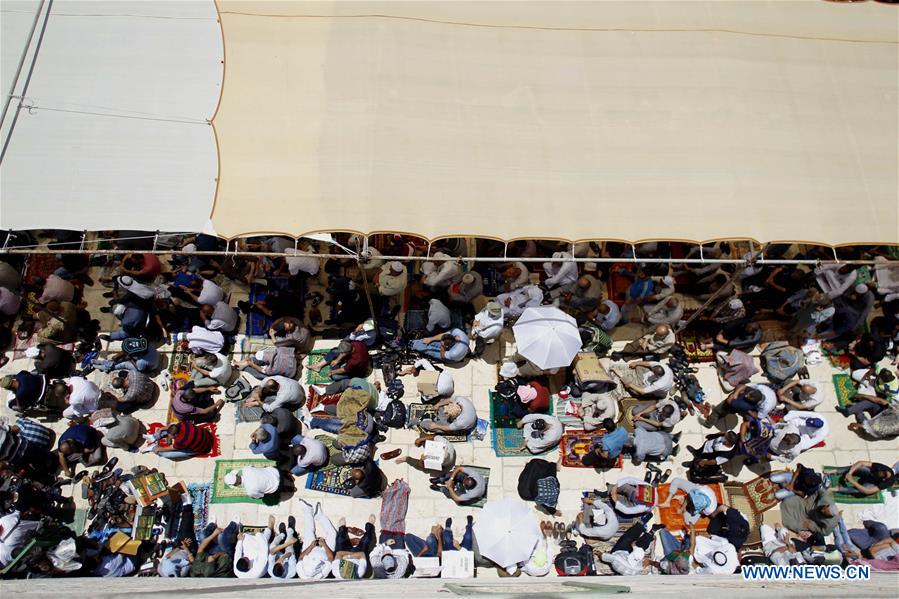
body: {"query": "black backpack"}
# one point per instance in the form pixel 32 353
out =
pixel 394 415
pixel 572 561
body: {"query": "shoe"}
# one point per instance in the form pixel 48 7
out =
pixel 648 477
pixel 675 438
pixel 616 356
pixel 448 524
pixel 656 527
pixel 436 488
pixel 105 309
pixel 695 452
pixel 108 294
pixel 282 529
pixel 389 455
pixel 645 518
pixel 661 478
pixel 104 337
pixel 675 450
pixel 653 468
pixel 291 523
pixel 469 519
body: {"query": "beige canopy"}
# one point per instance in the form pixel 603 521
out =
pixel 582 120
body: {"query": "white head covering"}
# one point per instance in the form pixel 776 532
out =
pixel 397 267
pixel 32 352
pixel 508 370
pixel 260 355
pixel 668 280
pixel 190 247
pixel 445 384
pixel 861 288
pixel 735 304
pixel 231 477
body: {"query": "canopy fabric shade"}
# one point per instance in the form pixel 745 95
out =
pixel 569 120
pixel 585 120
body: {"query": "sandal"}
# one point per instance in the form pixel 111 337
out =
pixel 389 455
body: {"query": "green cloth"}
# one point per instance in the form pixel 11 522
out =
pixel 221 567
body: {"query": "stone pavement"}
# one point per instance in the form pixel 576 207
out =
pixel 474 379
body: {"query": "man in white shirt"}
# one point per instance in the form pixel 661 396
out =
pixel 715 555
pixel 302 260
pixel 256 482
pixel 445 383
pixel 441 273
pixel 252 551
pixel 210 293
pixel 540 431
pixel 608 315
pixel 15 533
pixel 487 326
pixel 277 392
pixel 438 316
pixel 516 275
pixel 201 339
pixel 561 272
pixel 668 311
pixel 392 279
pixel 220 317
pixel 311 454
pixel 515 302
pixel 441 445
pixel 646 378
pixel 83 398
pixel 318 553
pixel 388 562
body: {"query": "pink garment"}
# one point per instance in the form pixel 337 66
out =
pixel 57 289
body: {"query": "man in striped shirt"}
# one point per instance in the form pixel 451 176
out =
pixel 187 440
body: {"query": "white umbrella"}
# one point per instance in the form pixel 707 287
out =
pixel 547 337
pixel 506 531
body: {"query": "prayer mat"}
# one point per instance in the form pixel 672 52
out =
pixel 225 493
pixel 425 412
pixel 575 444
pixel 834 475
pixel 20 345
pixel 845 388
pixel 200 494
pixel 737 499
pixel 330 479
pixel 155 427
pixel 625 406
pixel 257 324
pixel 254 414
pixel 759 493
pixel 415 320
pixel 562 411
pixel 695 353
pixel 79 520
pixel 39 265
pixel 317 356
pixel 837 357
pixel 776 417
pixel 599 547
pixel 485 472
pixel 674 520
pixel 507 442
pixel 774 330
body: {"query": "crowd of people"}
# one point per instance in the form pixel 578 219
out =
pixel 426 319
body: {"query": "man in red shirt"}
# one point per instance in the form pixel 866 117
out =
pixel 350 359
pixel 533 398
pixel 187 440
pixel 144 267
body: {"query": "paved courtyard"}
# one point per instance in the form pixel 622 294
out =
pixel 474 379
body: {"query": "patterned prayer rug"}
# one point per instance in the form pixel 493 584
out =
pixel 575 444
pixel 759 492
pixel 625 406
pixel 200 495
pixel 837 357
pixel 695 353
pixel 845 388
pixel 317 356
pixel 225 493
pixel 673 520
pixel 834 475
pixel 330 479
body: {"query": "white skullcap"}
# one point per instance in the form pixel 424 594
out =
pixel 231 477
pixel 397 267
pixel 861 288
pixel 668 280
pixel 32 352
pixel 508 370
pixel 190 247
pixel 260 355
pixel 735 304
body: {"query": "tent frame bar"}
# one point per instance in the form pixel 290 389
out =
pixel 596 260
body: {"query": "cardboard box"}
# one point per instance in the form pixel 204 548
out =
pixel 119 542
pixel 427 382
pixel 587 367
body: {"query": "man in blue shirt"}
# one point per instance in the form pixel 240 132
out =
pixel 448 347
pixel 265 440
pixel 605 453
